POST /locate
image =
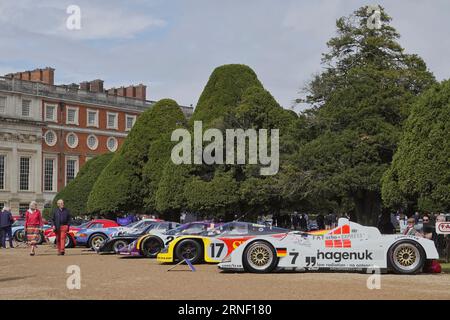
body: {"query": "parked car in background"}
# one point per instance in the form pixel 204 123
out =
pixel 122 239
pixel 150 245
pixel 93 235
pixel 73 229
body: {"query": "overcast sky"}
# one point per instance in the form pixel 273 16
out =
pixel 173 46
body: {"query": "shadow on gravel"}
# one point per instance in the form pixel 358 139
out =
pixel 15 278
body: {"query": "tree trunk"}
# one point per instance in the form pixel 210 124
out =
pixel 367 207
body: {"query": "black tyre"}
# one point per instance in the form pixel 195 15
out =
pixel 96 241
pixel 259 257
pixel 19 236
pixel 118 245
pixel 406 257
pixel 189 249
pixel 69 242
pixel 151 246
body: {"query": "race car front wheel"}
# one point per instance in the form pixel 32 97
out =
pixel 406 257
pixel 118 245
pixel 259 257
pixel 151 247
pixel 96 241
pixel 189 249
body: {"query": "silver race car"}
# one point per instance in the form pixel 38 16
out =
pixel 349 246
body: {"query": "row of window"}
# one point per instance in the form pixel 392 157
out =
pixel 92 116
pixel 49 173
pixel 112 118
pixel 24 173
pixel 25 108
pixel 72 141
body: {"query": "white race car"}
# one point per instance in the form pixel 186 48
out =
pixel 349 246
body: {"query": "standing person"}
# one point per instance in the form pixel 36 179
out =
pixel 295 220
pixel 6 220
pixel 385 224
pixel 61 221
pixel 410 230
pixel 303 223
pixel 320 219
pixel 33 225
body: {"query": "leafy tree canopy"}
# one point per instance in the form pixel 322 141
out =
pixel 419 177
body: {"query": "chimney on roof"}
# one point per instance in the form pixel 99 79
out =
pixel 96 85
pixel 85 86
pixel 130 92
pixel 121 92
pixel 46 75
pixel 140 92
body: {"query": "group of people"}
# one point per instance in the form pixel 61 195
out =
pixel 60 219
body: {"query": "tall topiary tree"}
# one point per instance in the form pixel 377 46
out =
pixel 124 185
pixel 419 177
pixel 359 104
pixel 233 98
pixel 76 193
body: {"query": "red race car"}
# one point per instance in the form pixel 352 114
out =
pixel 50 235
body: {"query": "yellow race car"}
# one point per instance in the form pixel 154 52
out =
pixel 214 245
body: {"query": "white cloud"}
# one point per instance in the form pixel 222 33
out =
pixel 98 21
pixel 174 46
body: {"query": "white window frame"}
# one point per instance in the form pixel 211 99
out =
pixel 116 121
pixel 54 142
pixel 117 144
pixel 77 140
pixel 96 142
pixel 3 108
pixel 96 118
pixel 76 169
pixel 5 171
pixel 30 175
pixel 54 116
pixel 76 109
pixel 29 110
pixel 55 173
pixel 126 121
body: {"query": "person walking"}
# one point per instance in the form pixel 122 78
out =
pixel 6 220
pixel 33 225
pixel 61 222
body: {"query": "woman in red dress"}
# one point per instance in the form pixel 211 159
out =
pixel 33 225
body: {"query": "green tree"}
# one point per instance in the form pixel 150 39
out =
pixel 233 98
pixel 419 177
pixel 76 193
pixel 127 183
pixel 359 104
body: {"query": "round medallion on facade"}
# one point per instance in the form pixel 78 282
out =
pixel 50 138
pixel 72 140
pixel 111 144
pixel 92 142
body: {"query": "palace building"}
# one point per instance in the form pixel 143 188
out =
pixel 48 131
